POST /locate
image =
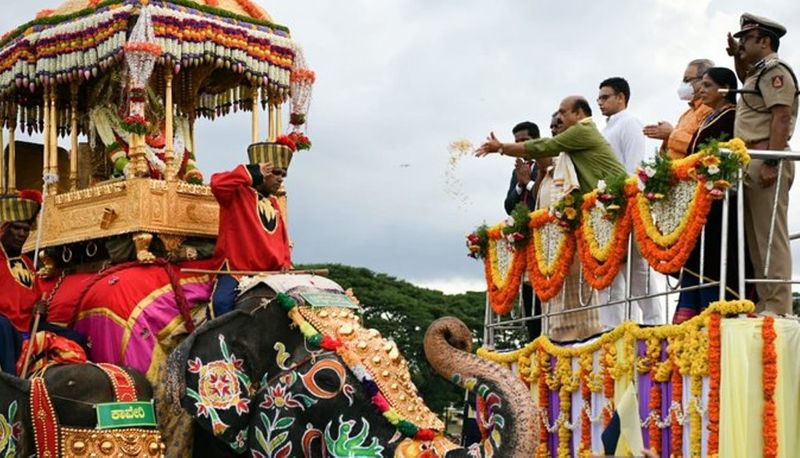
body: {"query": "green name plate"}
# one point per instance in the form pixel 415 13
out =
pixel 125 414
pixel 326 299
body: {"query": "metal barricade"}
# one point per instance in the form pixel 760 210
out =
pixel 495 323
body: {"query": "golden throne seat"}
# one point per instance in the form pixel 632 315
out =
pixel 132 206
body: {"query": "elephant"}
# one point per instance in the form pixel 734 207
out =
pixel 312 382
pixel 74 390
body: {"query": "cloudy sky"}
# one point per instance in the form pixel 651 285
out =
pixel 399 80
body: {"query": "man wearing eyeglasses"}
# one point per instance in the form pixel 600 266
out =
pixel 624 133
pixel 676 139
pixel 765 119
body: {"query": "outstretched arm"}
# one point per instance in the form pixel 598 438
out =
pixel 571 139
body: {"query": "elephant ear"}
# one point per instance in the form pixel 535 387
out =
pixel 211 379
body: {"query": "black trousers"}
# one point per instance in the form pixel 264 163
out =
pixel 531 301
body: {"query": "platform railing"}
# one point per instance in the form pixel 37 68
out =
pixel 516 320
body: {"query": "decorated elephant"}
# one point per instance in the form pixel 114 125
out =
pixel 64 399
pixel 297 375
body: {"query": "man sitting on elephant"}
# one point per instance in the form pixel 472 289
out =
pixel 20 289
pixel 252 231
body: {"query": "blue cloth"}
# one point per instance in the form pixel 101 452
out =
pixel 697 299
pixel 223 300
pixel 10 346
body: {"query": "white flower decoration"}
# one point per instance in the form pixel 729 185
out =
pixel 510 221
pixel 601 185
pixel 713 169
pixel 709 185
pixel 649 171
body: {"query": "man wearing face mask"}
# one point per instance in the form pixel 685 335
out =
pixel 676 139
pixel 765 118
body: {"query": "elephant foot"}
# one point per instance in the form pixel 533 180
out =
pixel 142 242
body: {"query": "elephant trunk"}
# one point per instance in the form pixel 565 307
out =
pixel 510 411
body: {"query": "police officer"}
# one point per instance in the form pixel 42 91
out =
pixel 765 119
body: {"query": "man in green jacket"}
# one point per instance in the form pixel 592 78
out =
pixel 592 156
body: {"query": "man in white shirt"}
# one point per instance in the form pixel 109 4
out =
pixel 624 133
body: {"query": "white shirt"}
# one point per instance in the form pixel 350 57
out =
pixel 624 133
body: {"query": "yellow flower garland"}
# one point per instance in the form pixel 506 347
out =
pixel 688 347
pixel 598 252
pixel 498 278
pixel 545 267
pixel 665 240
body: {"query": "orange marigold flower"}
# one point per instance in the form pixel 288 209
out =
pixel 710 160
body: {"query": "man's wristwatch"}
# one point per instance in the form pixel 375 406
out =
pixel 500 150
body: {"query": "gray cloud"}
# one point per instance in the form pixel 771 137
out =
pixel 399 80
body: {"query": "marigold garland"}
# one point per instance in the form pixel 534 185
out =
pixel 653 430
pixel 564 433
pixel 547 280
pixel 695 420
pixel 677 398
pixel 601 264
pixel 689 352
pixel 770 379
pixel 670 259
pixel 543 361
pixel 714 369
pixel 586 363
pixel 501 298
pixel 607 361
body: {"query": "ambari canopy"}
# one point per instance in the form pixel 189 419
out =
pixel 219 49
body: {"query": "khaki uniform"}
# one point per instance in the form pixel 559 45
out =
pixel 753 119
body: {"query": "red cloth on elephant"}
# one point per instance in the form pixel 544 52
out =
pixel 63 307
pixel 129 314
pixel 19 288
pixel 252 232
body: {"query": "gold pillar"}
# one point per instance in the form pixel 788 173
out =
pixel 2 159
pixel 137 155
pixel 254 121
pixel 12 151
pixel 169 152
pixel 53 190
pixel 46 132
pixel 73 132
pixel 271 123
pixel 192 135
pixel 278 120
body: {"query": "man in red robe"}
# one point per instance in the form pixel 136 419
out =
pixel 252 231
pixel 19 289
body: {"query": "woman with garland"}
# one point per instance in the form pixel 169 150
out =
pixel 716 126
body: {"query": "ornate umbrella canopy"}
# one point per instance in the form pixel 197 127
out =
pixel 218 50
